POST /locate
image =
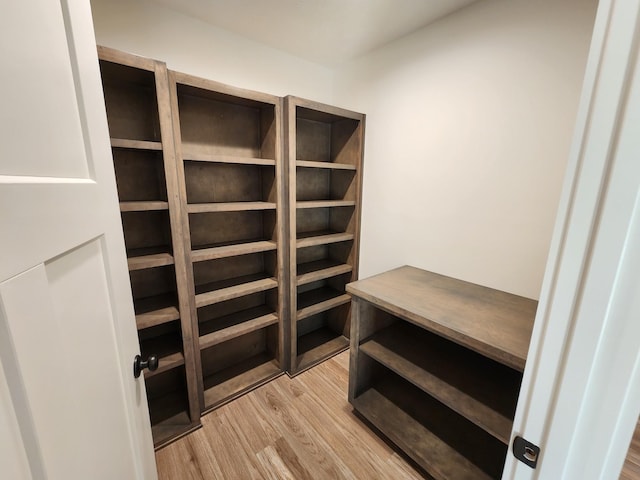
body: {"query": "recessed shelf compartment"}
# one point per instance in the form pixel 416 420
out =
pixel 229 229
pixel 153 287
pixel 216 123
pixel 321 336
pixel 208 183
pixel 231 250
pixel 445 444
pixel 140 176
pixel 130 99
pixel 319 300
pixel 148 258
pixel 327 137
pixel 165 341
pixel 168 405
pixel 239 364
pixel 228 278
pixel 324 219
pixel 229 207
pixel 323 237
pixel 314 184
pixel 323 261
pixel 236 317
pixel 485 395
pixel 146 232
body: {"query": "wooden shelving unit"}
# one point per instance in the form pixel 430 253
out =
pixel 436 366
pixel 137 102
pixel 228 144
pixel 324 151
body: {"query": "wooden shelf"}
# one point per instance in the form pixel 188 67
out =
pixel 138 260
pixel 169 418
pixel 310 239
pixel 143 206
pixel 330 165
pixel 225 328
pixel 233 381
pixel 229 207
pixel 319 300
pixel 236 287
pixel 431 452
pixel 485 394
pixel 135 144
pixel 168 348
pixel 223 251
pixel 493 323
pixel 319 270
pixel 319 345
pixel 325 203
pixel 152 311
pixel 192 153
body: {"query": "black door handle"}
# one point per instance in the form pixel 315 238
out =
pixel 151 363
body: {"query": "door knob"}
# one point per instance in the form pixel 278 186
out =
pixel 139 364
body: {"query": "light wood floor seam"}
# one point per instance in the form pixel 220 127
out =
pixel 300 428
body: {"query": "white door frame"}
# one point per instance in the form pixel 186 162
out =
pixel 580 396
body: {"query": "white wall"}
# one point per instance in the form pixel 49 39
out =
pixel 192 46
pixel 469 124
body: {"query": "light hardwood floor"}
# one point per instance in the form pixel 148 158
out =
pixel 300 428
pixel 631 469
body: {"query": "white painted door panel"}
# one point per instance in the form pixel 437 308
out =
pixel 67 326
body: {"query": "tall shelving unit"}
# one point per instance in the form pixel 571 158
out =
pixel 228 144
pixel 324 152
pixel 136 94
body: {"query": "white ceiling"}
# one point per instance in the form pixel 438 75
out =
pixel 328 32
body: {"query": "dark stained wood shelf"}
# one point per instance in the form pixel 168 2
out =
pixel 225 328
pixel 135 144
pixel 310 239
pixel 138 260
pixel 485 394
pixel 223 251
pixel 193 153
pixel 156 310
pixel 319 270
pixel 324 203
pixel 232 288
pixel 168 348
pixel 143 206
pixel 239 378
pixel 329 165
pixel 319 300
pixel 229 207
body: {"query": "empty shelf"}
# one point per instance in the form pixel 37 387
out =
pixel 320 300
pixel 156 310
pixel 237 287
pixel 325 203
pixel 135 144
pixel 223 251
pixel 319 270
pixel 193 154
pixel 310 239
pixel 332 165
pixel 229 207
pixel 143 206
pixel 139 262
pixel 225 328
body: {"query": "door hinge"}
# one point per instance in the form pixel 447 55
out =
pixel 526 452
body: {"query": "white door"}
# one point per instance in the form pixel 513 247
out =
pixel 69 405
pixel 580 396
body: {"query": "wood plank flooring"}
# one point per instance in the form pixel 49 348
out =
pixel 631 468
pixel 300 428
